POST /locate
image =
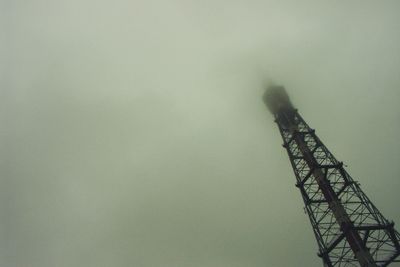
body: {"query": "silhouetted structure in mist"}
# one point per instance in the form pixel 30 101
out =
pixel 349 229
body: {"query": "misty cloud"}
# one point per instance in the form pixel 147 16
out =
pixel 133 133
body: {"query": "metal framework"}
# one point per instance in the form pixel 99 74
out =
pixel 349 229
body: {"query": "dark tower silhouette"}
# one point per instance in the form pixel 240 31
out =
pixel 349 229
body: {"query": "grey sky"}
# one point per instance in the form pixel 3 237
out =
pixel 133 132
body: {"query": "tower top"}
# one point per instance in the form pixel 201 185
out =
pixel 277 99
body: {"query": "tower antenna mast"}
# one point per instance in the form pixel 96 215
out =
pixel 349 229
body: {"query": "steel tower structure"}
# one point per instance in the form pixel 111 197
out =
pixel 349 229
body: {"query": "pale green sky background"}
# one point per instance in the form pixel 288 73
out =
pixel 133 132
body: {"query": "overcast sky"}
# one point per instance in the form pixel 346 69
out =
pixel 133 132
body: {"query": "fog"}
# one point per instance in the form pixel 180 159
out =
pixel 133 133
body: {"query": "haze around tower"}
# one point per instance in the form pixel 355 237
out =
pixel 133 132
